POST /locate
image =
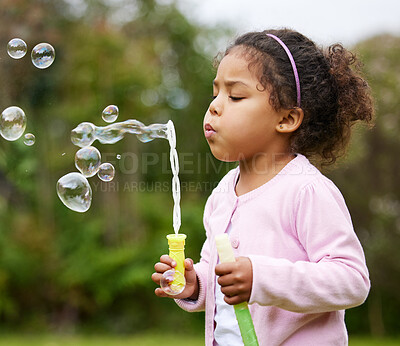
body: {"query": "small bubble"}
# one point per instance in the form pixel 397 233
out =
pixel 16 48
pixel 106 172
pixel 118 156
pixel 43 55
pixel 110 113
pixel 88 161
pixel 63 154
pixel 29 139
pixel 12 123
pixel 74 191
pixel 172 282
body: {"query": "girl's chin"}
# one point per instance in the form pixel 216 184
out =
pixel 223 156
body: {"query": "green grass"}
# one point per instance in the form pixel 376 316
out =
pixel 142 340
pixel 368 341
pixel 101 340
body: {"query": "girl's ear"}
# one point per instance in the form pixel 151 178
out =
pixel 291 120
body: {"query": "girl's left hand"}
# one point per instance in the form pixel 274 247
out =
pixel 236 280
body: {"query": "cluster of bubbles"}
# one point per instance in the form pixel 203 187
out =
pixel 86 133
pixel 74 190
pixel 42 55
pixel 13 119
pixel 88 162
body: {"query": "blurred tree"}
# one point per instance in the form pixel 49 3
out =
pixel 369 181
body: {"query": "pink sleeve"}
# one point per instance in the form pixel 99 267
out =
pixel 334 278
pixel 201 269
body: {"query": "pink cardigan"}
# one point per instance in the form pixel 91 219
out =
pixel 308 265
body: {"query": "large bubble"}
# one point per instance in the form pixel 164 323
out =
pixel 88 161
pixel 12 123
pixel 74 191
pixel 43 55
pixel 16 48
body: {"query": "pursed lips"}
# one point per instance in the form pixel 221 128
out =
pixel 208 130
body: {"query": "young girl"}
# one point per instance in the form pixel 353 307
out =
pixel 279 100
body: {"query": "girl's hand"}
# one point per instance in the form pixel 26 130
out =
pixel 166 263
pixel 236 280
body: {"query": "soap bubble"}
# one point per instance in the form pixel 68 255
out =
pixel 83 135
pixel 110 113
pixel 12 123
pixel 16 48
pixel 172 282
pixel 29 139
pixel 144 137
pixel 43 55
pixel 88 161
pixel 106 172
pixel 86 133
pixel 74 191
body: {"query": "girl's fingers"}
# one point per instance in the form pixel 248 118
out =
pixel 188 264
pixel 233 296
pixel 161 267
pixel 156 277
pixel 229 291
pixel 160 293
pixel 226 280
pixel 168 260
pixel 233 300
pixel 224 268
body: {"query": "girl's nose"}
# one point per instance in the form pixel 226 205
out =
pixel 215 108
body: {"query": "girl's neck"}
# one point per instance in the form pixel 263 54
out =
pixel 260 169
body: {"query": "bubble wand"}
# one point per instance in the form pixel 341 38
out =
pixel 242 312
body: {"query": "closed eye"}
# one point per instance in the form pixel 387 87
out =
pixel 233 98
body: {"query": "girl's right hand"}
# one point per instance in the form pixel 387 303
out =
pixel 192 286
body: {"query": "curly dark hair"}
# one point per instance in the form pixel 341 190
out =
pixel 333 94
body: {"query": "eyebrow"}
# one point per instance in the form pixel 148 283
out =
pixel 230 83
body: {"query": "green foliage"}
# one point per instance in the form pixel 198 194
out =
pixel 368 179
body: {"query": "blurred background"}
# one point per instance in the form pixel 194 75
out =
pixel 68 273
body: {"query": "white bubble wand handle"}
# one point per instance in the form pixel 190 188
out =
pixel 242 312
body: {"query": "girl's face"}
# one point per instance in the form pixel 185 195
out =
pixel 240 123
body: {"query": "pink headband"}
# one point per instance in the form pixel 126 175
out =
pixel 290 56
